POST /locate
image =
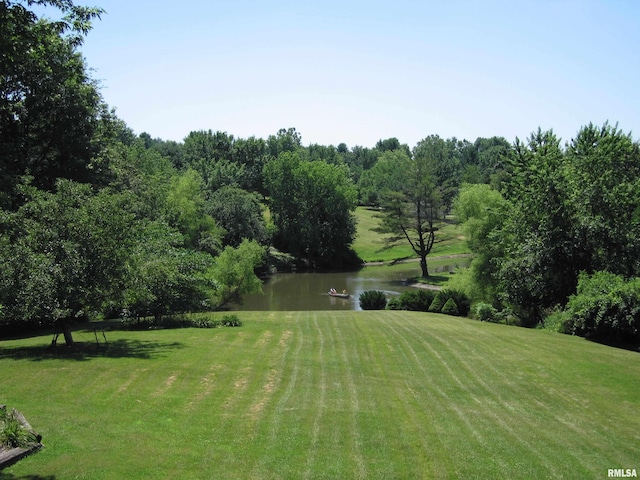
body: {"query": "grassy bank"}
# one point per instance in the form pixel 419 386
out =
pixel 327 395
pixel 371 246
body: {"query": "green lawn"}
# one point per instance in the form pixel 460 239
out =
pixel 372 247
pixel 344 394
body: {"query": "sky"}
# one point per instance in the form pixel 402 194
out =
pixel 356 71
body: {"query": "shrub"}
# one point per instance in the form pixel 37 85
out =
pixel 485 312
pixel 437 304
pixel 394 304
pixel 231 320
pixel 200 321
pixel 373 300
pixel 415 300
pixel 450 307
pixel 195 321
pixel 506 316
pixel 556 321
pixel 605 307
pixel 462 300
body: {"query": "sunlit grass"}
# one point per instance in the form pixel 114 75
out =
pixel 372 246
pixel 338 394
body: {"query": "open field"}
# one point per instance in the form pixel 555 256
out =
pixel 370 245
pixel 344 394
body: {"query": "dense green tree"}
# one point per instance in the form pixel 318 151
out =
pixel 251 154
pixel 325 153
pixel 286 140
pixel 482 210
pixel 485 160
pixel 186 211
pixel 169 149
pixel 234 269
pixel 311 206
pixel 443 159
pixel 65 254
pixel 53 121
pixel 164 277
pixel 389 174
pixel 568 211
pixel 280 176
pixel 390 144
pixel 211 155
pixel 240 214
pixel 540 266
pixel 360 159
pixel 92 218
pixel 207 146
pixel 603 177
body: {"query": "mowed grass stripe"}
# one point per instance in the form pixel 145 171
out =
pixel 457 435
pixel 529 417
pixel 279 429
pixel 555 387
pixel 498 393
pixel 409 403
pixel 470 396
pixel 329 395
pixel 467 394
pixel 348 435
pixel 352 360
pixel 319 407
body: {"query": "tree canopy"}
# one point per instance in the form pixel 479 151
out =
pixel 565 211
pixel 312 205
pixel 53 121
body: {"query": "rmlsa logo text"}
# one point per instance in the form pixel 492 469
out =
pixel 622 473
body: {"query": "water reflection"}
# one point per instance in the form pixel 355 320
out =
pixel 309 290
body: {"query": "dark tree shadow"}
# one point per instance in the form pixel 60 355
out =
pixel 9 476
pixel 616 343
pixel 82 351
pixel 16 334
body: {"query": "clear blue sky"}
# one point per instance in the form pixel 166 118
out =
pixel 357 71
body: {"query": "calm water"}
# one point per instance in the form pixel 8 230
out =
pixel 308 291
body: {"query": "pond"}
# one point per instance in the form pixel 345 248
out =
pixel 309 290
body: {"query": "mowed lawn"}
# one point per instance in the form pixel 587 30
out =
pixel 344 395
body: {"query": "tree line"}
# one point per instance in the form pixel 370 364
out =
pixel 563 216
pixel 96 220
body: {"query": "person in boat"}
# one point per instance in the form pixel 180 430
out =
pixel 333 291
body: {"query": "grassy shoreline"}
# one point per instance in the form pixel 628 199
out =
pixel 450 250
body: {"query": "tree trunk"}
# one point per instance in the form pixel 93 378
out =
pixel 423 266
pixel 64 327
pixel 66 331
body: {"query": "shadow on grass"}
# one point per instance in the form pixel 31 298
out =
pixel 431 279
pixel 9 476
pixel 633 347
pixel 82 351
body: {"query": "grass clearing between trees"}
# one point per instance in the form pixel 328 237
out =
pixel 329 394
pixel 371 247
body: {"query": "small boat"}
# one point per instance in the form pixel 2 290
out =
pixel 339 295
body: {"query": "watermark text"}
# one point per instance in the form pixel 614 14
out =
pixel 622 473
